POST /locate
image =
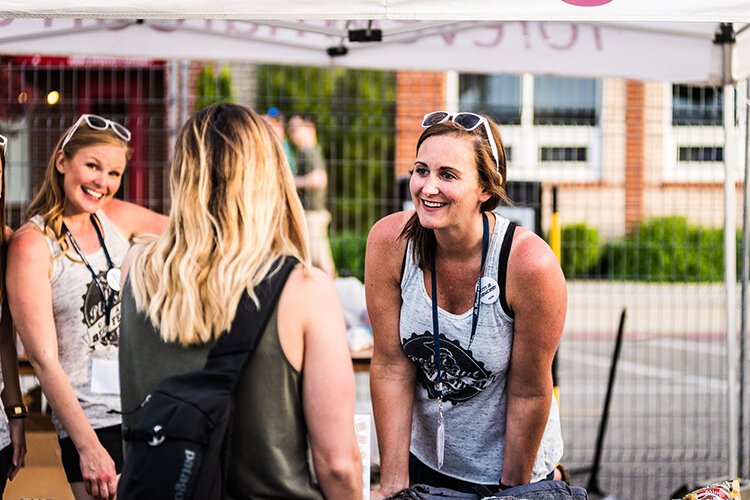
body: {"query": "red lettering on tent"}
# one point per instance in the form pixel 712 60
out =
pixel 552 44
pixel 449 38
pixel 499 31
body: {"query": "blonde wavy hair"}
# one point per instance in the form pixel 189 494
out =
pixel 234 212
pixel 49 201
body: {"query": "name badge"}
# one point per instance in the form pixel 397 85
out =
pixel 105 376
pixel 113 278
pixel 489 291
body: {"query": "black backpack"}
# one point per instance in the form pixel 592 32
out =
pixel 178 449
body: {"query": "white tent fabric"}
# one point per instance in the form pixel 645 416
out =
pixel 579 10
pixel 677 51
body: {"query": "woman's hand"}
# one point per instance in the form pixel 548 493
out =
pixel 18 438
pixel 98 471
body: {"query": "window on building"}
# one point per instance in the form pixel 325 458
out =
pixel 563 154
pixel 498 96
pixel 549 125
pixel 694 105
pixel 700 154
pixel 566 101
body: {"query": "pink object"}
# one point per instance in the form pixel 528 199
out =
pixel 587 3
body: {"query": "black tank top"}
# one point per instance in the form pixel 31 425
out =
pixel 268 442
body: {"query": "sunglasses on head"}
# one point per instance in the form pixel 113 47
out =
pixel 97 122
pixel 3 142
pixel 469 121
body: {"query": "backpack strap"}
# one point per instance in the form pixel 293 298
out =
pixel 502 267
pixel 233 349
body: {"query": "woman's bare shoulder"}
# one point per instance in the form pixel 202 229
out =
pixel 385 248
pixel 28 236
pixel 531 254
pixel 28 249
pixel 388 229
pixel 309 282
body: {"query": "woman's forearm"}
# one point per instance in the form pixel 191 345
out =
pixel 341 478
pixel 392 402
pixel 11 393
pixel 62 399
pixel 525 424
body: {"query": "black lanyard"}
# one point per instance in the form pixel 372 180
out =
pixel 475 309
pixel 108 298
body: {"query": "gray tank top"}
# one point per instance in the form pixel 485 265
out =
pixel 268 450
pixel 84 341
pixel 475 406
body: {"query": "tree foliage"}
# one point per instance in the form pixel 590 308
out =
pixel 355 113
pixel 211 89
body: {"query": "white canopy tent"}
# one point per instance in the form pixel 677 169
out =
pixel 677 51
pixel 566 10
pixel 689 41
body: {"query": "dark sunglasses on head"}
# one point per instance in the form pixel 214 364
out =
pixel 469 121
pixel 97 122
pixel 3 142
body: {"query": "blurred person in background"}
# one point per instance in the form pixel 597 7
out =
pixel 276 120
pixel 312 183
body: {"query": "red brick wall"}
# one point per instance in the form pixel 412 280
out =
pixel 417 93
pixel 634 157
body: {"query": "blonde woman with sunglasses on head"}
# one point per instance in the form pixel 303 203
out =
pixel 234 214
pixel 64 282
pixel 12 432
pixel 467 312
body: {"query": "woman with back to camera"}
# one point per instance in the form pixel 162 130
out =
pixel 234 213
pixel 12 435
pixel 63 288
pixel 479 414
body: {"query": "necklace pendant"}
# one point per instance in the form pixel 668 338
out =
pixel 440 435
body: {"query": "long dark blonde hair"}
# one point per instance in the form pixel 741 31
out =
pixel 492 178
pixel 234 212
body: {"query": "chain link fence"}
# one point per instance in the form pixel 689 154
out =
pixel 637 167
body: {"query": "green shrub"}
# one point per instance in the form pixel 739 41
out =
pixel 348 250
pixel 581 250
pixel 667 249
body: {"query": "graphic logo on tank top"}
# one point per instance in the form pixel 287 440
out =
pixel 97 332
pixel 463 375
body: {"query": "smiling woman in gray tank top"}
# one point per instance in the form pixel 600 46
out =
pixel 467 312
pixel 63 289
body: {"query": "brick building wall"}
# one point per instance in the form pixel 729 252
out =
pixel 634 154
pixel 418 92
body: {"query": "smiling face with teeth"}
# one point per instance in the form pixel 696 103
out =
pixel 444 184
pixel 91 177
